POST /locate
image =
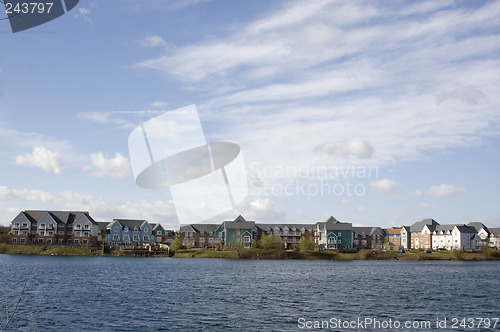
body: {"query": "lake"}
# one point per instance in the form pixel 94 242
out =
pixel 169 294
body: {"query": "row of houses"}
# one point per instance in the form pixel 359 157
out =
pixel 80 229
pixel 333 234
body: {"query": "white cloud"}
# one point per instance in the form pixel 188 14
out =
pixel 425 206
pixel 384 186
pixel 30 195
pixel 153 41
pixel 441 191
pixel 354 146
pixel 154 211
pixel 43 158
pixel 116 167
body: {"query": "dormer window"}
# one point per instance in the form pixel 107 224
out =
pixel 126 229
pixel 136 229
pixel 146 230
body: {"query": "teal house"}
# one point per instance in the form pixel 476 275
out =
pixel 237 233
pixel 333 234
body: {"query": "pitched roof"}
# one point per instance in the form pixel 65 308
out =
pixel 417 227
pixel 61 217
pixel 307 227
pixel 368 230
pixel 495 231
pixel 478 226
pixel 394 230
pixel 131 223
pixel 206 228
pixel 239 223
pixel 466 229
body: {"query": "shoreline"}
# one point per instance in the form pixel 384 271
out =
pixel 253 254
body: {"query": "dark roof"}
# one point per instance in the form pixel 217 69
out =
pixel 264 227
pixel 466 229
pixel 102 225
pixel 61 217
pixel 495 231
pixel 206 228
pixel 239 223
pixel 478 226
pixel 448 227
pixel 367 230
pixel 417 227
pixel 131 223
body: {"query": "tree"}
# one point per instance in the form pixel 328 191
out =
pixel 175 245
pixel 271 242
pixel 306 244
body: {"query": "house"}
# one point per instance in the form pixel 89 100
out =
pixel 237 233
pixel 199 235
pixel 394 237
pixel 368 237
pixel 290 233
pixel 333 234
pixel 494 238
pixel 129 233
pixel 466 238
pixel 458 237
pixel 482 230
pixel 405 237
pixel 161 235
pixel 442 237
pixel 54 227
pixel 421 233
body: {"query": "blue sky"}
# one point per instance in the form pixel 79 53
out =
pixel 308 89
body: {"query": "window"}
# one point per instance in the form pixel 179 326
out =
pixel 60 241
pixel 85 241
pixel 42 233
pixel 15 232
pixel 42 225
pixel 14 240
pixel 136 238
pixel 126 238
pixel 49 241
pixel 86 234
pixel 146 230
pixel 16 225
pixel 77 241
pixel 116 228
pixel 126 229
pixel 78 233
pixel 145 238
pixel 136 229
pixel 25 224
pixel 40 240
pixel 246 238
pixel 158 239
pixel 86 226
pixel 158 232
pixel 116 237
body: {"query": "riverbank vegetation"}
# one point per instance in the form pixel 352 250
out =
pixel 267 248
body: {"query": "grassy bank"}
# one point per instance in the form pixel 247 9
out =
pixel 54 250
pixel 253 253
pixel 334 255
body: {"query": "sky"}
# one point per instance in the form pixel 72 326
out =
pixel 379 113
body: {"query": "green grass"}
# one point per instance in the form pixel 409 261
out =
pixel 35 249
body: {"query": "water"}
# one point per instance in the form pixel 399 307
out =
pixel 167 294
